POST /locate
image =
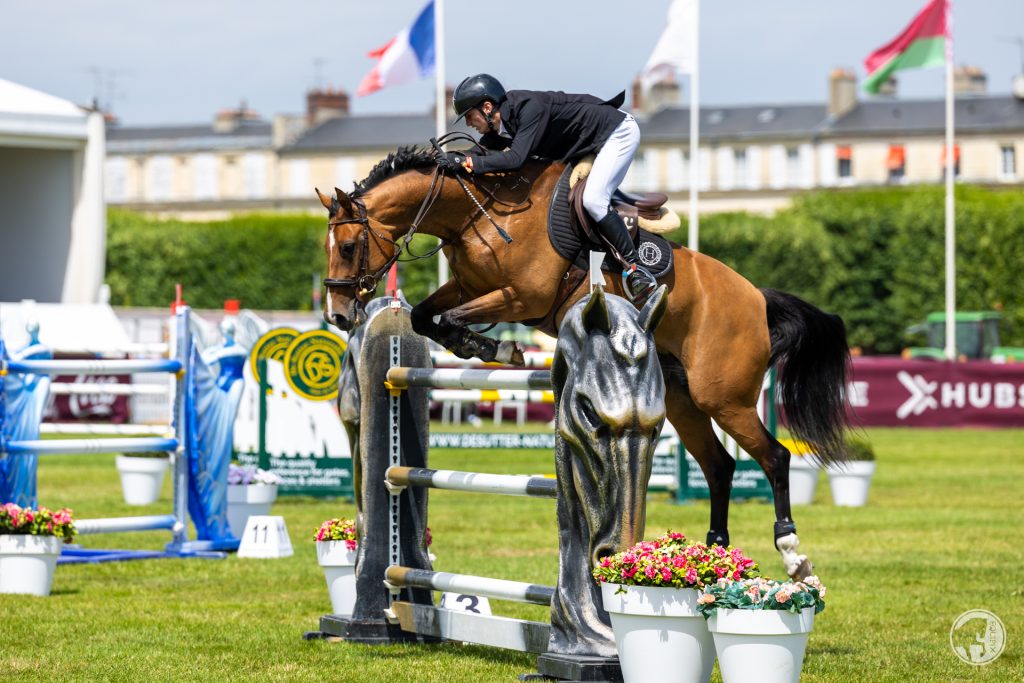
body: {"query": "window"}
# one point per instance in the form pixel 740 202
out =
pixel 116 179
pixel 160 178
pixel 956 161
pixel 742 169
pixel 844 162
pixel 298 178
pixel 896 163
pixel 1007 162
pixel 254 175
pixel 794 169
pixel 675 162
pixel 204 176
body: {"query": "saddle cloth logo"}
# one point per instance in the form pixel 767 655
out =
pixel 649 253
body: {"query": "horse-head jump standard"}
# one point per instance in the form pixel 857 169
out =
pixel 720 336
pixel 611 406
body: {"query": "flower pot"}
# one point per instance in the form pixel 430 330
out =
pixel 659 634
pixel 850 482
pixel 761 645
pixel 246 500
pixel 141 478
pixel 339 564
pixel 803 479
pixel 27 563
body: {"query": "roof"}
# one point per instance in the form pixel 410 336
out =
pixel 27 114
pixel 170 139
pixel 751 121
pixel 986 113
pixel 368 132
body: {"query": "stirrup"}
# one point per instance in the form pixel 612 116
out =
pixel 638 284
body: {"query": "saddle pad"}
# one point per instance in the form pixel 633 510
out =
pixel 655 252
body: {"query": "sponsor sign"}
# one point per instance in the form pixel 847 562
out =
pixel 893 392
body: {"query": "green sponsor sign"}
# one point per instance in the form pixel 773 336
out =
pixel 749 480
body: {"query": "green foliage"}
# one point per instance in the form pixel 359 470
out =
pixel 859 449
pixel 873 256
pixel 266 260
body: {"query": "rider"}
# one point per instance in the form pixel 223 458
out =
pixel 556 125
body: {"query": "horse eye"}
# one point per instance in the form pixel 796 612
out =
pixel 348 249
pixel 589 414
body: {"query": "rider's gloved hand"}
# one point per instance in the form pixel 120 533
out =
pixel 452 161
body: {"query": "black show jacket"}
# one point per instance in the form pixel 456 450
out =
pixel 552 125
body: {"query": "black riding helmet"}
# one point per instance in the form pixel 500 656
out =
pixel 474 91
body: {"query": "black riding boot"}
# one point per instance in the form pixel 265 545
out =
pixel 636 280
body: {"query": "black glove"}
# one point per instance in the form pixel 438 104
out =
pixel 451 161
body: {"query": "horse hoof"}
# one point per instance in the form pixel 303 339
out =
pixel 801 569
pixel 510 353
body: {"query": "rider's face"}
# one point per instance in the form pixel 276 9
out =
pixel 477 120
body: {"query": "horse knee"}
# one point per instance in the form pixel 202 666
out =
pixel 422 321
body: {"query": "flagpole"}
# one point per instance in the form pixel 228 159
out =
pixel 695 132
pixel 950 196
pixel 440 108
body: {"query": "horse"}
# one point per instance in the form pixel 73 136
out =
pixel 603 453
pixel 719 337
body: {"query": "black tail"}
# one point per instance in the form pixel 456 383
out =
pixel 810 353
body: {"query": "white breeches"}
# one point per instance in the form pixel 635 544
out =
pixel 610 167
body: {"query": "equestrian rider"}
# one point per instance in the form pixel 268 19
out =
pixel 556 125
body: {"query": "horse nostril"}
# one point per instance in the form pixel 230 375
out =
pixel 341 322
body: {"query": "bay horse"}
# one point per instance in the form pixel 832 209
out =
pixel 719 336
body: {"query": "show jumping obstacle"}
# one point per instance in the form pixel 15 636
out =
pixel 600 489
pixel 179 445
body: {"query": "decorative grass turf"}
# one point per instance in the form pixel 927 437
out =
pixel 941 534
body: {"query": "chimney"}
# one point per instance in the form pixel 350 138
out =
pixel 842 92
pixel 228 120
pixel 663 93
pixel 969 79
pixel 322 105
pixel 638 96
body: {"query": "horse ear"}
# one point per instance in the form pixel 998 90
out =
pixel 595 314
pixel 343 200
pixel 330 203
pixel 654 310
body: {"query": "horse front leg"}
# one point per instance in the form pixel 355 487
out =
pixel 446 297
pixel 499 305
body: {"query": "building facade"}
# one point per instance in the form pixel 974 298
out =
pixel 752 157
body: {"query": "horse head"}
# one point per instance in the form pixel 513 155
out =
pixel 611 406
pixel 358 256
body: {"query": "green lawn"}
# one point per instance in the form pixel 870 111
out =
pixel 942 534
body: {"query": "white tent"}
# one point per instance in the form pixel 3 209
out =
pixel 52 215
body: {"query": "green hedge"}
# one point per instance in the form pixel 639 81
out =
pixel 873 256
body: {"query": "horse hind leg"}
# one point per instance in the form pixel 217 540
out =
pixel 746 428
pixel 695 430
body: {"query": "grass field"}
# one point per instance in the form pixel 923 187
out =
pixel 941 535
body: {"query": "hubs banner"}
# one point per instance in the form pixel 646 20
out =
pixel 893 392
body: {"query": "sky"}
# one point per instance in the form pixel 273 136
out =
pixel 180 62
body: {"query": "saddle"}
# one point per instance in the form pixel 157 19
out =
pixel 573 234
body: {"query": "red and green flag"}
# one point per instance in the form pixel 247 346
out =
pixel 922 44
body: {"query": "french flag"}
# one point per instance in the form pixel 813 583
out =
pixel 406 57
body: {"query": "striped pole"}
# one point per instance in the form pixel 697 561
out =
pixel 466 584
pixel 105 428
pixel 533 359
pixel 403 378
pixel 90 367
pixel 477 395
pixel 111 389
pixel 118 524
pixel 476 482
pixel 89 446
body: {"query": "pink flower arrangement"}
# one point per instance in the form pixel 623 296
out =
pixel 761 593
pixel 41 522
pixel 338 529
pixel 672 561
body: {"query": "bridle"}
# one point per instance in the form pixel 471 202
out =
pixel 365 282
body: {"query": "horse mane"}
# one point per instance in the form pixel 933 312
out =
pixel 403 159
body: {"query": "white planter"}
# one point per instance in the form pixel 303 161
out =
pixel 27 563
pixel 339 567
pixel 803 479
pixel 243 501
pixel 659 634
pixel 850 482
pixel 766 646
pixel 141 478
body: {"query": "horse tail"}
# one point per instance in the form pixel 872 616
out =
pixel 810 352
